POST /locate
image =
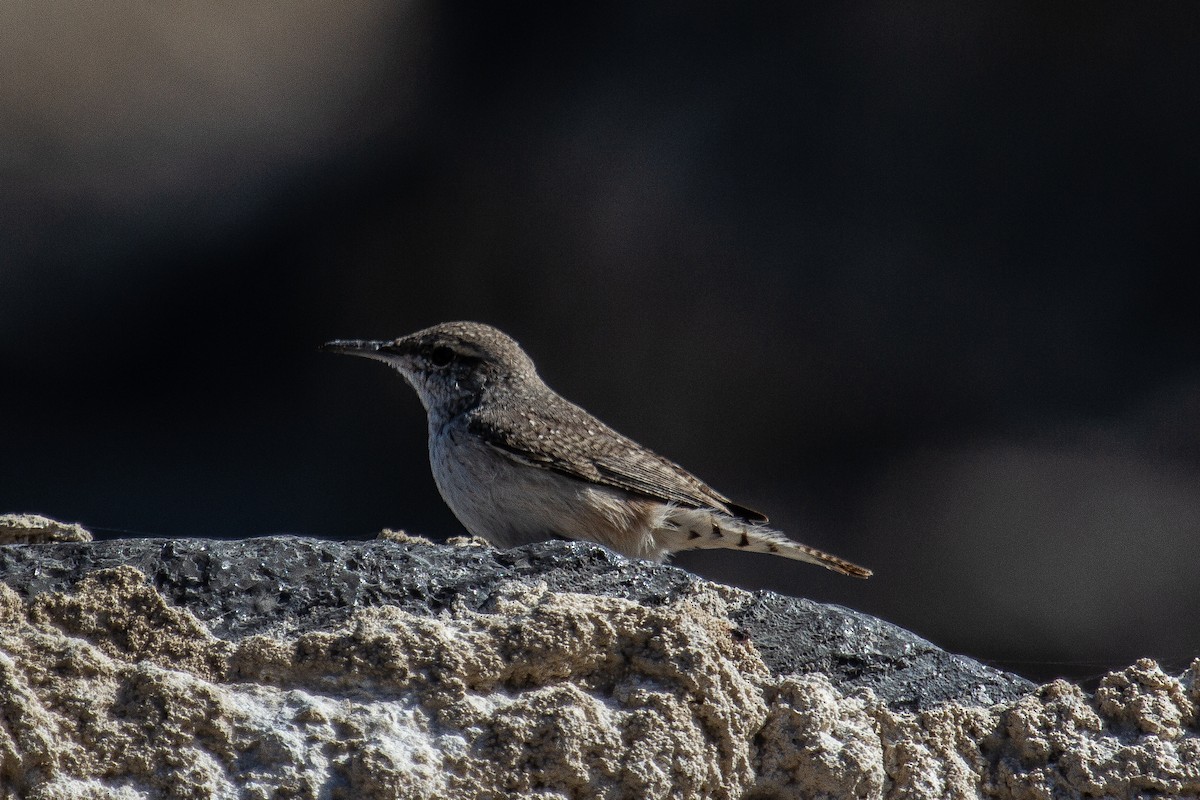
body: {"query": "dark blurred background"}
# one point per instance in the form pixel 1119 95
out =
pixel 918 280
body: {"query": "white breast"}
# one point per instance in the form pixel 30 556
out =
pixel 509 503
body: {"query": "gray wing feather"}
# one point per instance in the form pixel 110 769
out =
pixel 559 436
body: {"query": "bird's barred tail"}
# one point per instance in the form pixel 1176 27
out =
pixel 691 529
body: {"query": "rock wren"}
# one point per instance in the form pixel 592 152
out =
pixel 518 463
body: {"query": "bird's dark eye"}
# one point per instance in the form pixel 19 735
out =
pixel 441 356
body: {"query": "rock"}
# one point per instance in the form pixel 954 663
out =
pixel 32 529
pixel 291 667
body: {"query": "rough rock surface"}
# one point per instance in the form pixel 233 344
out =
pixel 288 667
pixel 32 529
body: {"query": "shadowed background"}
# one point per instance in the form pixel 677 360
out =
pixel 918 282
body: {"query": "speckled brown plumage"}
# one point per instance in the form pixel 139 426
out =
pixel 517 462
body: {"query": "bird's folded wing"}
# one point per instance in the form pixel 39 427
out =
pixel 570 441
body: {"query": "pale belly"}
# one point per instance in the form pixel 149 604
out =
pixel 509 503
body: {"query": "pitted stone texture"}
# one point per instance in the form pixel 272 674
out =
pixel 570 694
pixel 439 686
pixel 1137 738
pixel 286 584
pixel 32 529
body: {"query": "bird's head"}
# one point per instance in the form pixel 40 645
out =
pixel 452 366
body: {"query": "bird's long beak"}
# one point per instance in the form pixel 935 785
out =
pixel 359 347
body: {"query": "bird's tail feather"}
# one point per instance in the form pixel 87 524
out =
pixel 691 529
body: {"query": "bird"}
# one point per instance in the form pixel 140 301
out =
pixel 518 463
